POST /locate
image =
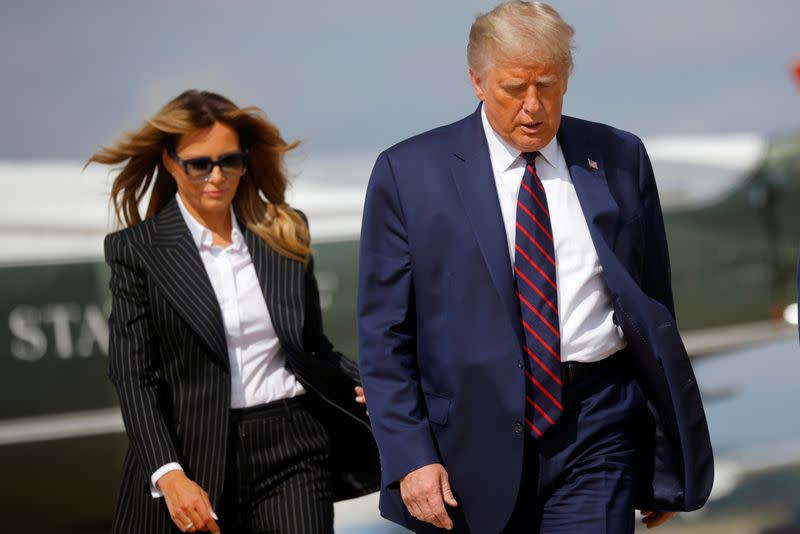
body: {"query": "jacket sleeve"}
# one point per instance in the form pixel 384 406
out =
pixel 387 345
pixel 134 366
pixel 656 276
pixel 314 338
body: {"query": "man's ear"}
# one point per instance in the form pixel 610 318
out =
pixel 477 85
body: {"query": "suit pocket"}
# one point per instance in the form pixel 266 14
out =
pixel 438 408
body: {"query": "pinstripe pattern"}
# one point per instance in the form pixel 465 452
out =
pixel 168 360
pixel 282 473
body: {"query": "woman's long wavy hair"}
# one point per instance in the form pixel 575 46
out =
pixel 259 200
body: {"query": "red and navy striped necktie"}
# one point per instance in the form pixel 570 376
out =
pixel 535 273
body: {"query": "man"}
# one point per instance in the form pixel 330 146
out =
pixel 517 338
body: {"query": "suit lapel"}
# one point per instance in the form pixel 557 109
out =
pixel 599 207
pixel 474 179
pixel 281 281
pixel 179 272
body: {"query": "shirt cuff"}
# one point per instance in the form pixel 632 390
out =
pixel 163 470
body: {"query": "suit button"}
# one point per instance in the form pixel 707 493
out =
pixel 519 364
pixel 517 428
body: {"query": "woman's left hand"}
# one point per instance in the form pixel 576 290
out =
pixel 360 397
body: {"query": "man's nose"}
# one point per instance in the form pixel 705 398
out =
pixel 531 104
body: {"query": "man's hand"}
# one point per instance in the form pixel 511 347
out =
pixel 188 503
pixel 425 492
pixel 656 519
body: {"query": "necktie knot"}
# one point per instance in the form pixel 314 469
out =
pixel 530 157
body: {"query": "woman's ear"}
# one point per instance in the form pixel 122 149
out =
pixel 170 164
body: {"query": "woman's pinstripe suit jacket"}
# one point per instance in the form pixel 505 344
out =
pixel 169 362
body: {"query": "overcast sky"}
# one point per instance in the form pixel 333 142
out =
pixel 356 76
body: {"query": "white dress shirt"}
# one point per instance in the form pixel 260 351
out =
pixel 257 361
pixel 587 328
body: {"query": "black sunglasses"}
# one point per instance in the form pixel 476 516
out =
pixel 232 165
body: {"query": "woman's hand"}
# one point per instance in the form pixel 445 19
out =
pixel 188 503
pixel 360 397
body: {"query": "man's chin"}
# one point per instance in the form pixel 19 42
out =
pixel 531 145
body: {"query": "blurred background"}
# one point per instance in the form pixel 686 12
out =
pixel 713 86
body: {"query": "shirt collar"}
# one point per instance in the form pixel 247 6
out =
pixel 201 235
pixel 503 155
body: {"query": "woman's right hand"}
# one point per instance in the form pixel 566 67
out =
pixel 361 398
pixel 188 503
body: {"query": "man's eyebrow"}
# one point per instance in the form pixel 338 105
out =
pixel 513 81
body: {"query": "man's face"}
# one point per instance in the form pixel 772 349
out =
pixel 522 102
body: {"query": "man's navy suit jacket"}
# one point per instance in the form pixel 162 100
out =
pixel 439 326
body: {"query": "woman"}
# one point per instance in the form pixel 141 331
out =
pixel 239 412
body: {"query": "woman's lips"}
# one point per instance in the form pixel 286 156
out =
pixel 215 194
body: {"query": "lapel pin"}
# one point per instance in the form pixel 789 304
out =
pixel 593 165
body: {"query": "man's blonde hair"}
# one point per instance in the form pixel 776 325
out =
pixel 531 33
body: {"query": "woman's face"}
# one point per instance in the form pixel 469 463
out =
pixel 211 198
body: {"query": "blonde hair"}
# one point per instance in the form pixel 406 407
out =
pixel 259 201
pixel 528 32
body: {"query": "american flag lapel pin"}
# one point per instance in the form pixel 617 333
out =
pixel 593 165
